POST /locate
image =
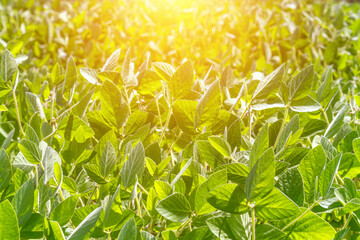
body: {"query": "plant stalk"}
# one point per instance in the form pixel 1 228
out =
pixel 298 218
pixel 253 223
pixel 282 125
pixel 17 113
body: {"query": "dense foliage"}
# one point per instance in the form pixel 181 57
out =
pixel 109 131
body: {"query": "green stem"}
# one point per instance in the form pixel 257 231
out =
pixel 253 223
pixel 347 221
pixel 166 125
pixel 52 123
pixel 182 227
pixel 49 136
pixel 17 113
pixel 282 125
pixel 325 116
pixel 298 218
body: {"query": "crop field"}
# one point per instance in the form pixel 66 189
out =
pixel 179 119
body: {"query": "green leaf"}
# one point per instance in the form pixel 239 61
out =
pixel 149 82
pixel 127 71
pixel 164 70
pixel 70 126
pixel 50 158
pixel 113 105
pixel 270 84
pixel 90 75
pixel 181 81
pixel 9 228
pixel 216 179
pixel 299 85
pixel 306 104
pixel 56 232
pixel 63 212
pixel 328 175
pixel 70 76
pixel 163 189
pixel 128 231
pixel 221 145
pixel 275 206
pixel 93 171
pixel 175 207
pixel 268 232
pixel 5 170
pixel 325 87
pixel 260 145
pixel 291 184
pixel 112 61
pixel 84 228
pixel 30 151
pixel 184 114
pixel 113 210
pixel 23 202
pixel 203 151
pixel 351 206
pixel 291 127
pixel 134 166
pixel 208 106
pixel 311 227
pixel 233 135
pixel 228 198
pixel 310 168
pixel 233 227
pixel 8 66
pixel 107 160
pixel 227 78
pixel 260 180
pixel 36 104
pixel 56 76
pixel 336 123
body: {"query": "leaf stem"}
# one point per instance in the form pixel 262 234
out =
pixel 166 125
pixel 17 113
pixel 325 116
pixel 253 223
pixel 142 188
pixel 282 125
pixel 49 136
pixel 298 218
pixel 182 227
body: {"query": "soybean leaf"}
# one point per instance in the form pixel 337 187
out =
pixel 84 228
pixel 208 106
pixel 299 85
pixel 111 62
pixel 30 151
pixel 268 232
pixel 291 184
pixel 128 231
pixel 310 168
pixel 63 212
pixel 107 160
pixel 113 105
pixel 336 123
pixel 23 202
pixel 175 207
pixel 260 180
pixel 221 145
pixel 310 226
pixel 228 198
pixel 184 114
pixel 270 84
pixel 306 104
pixel 275 206
pixel 328 175
pixel 134 166
pixel 5 170
pixel 8 66
pixel 9 228
pixel 214 180
pixel 260 145
pixel 181 81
